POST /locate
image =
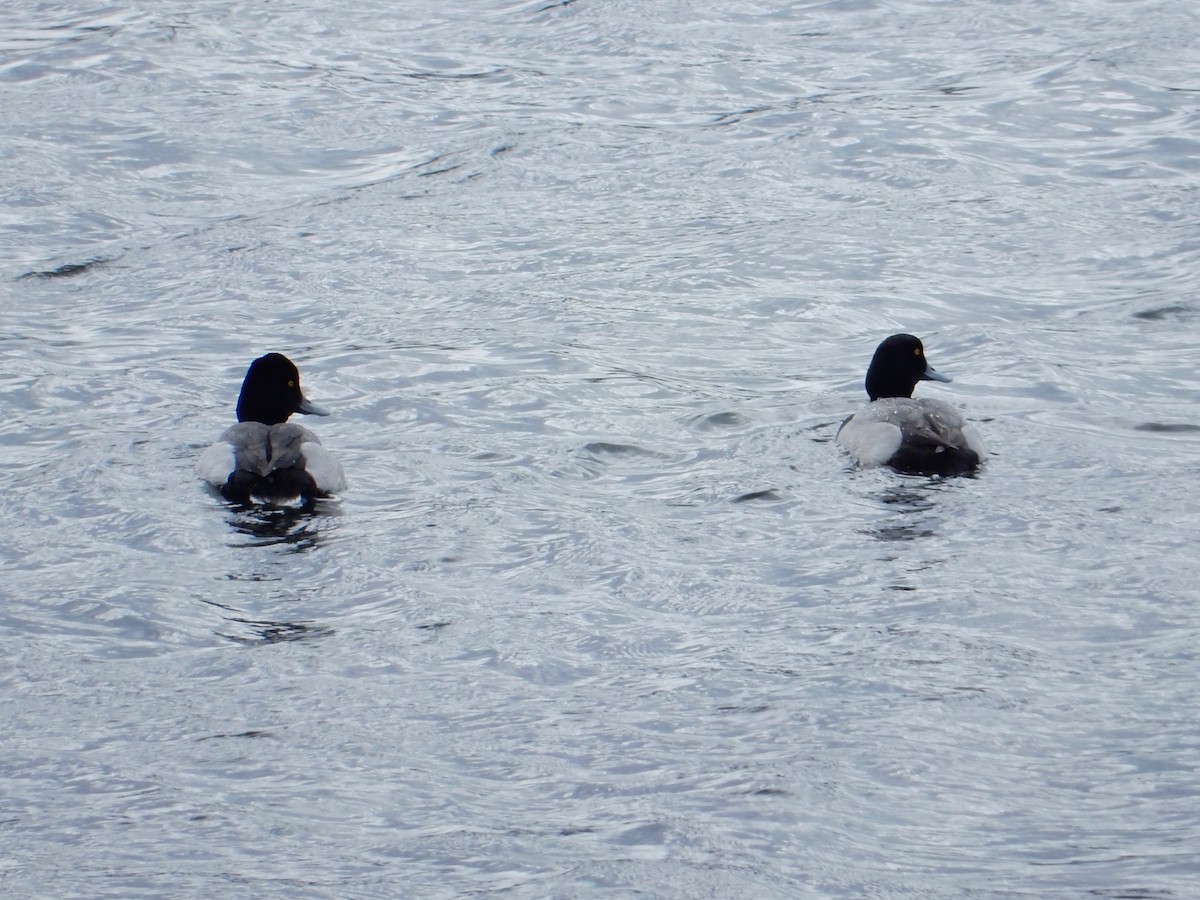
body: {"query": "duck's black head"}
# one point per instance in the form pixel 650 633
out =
pixel 271 392
pixel 898 364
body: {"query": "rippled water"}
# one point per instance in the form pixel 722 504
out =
pixel 589 286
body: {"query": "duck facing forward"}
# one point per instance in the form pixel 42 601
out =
pixel 913 436
pixel 263 456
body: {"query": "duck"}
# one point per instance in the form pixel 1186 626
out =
pixel 914 436
pixel 264 456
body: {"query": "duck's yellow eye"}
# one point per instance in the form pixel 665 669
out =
pixel 916 351
pixel 291 383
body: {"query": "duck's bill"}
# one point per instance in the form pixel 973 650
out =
pixel 932 374
pixel 311 409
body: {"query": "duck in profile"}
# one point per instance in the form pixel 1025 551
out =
pixel 913 436
pixel 263 456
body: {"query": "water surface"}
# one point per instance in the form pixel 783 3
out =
pixel 589 287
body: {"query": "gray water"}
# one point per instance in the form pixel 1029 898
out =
pixel 604 612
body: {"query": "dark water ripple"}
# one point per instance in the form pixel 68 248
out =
pixel 589 287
